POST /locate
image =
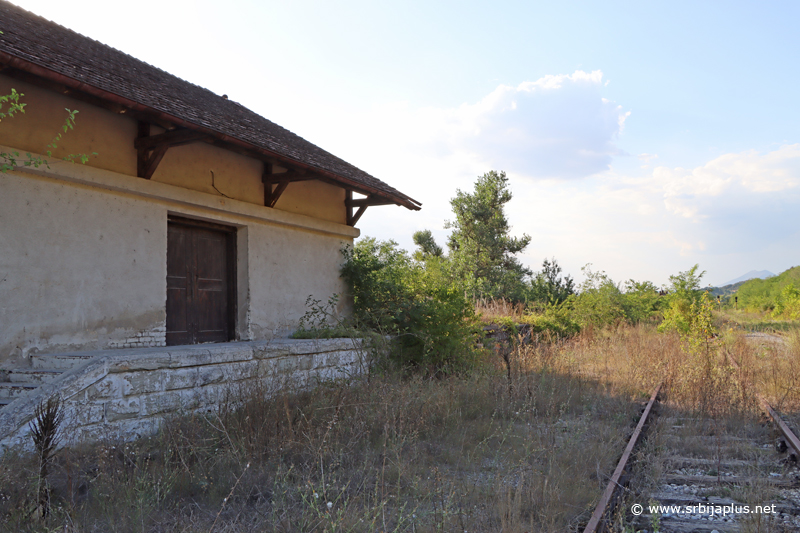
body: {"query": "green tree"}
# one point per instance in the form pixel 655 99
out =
pixel 481 247
pixel 642 300
pixel 787 304
pixel 548 287
pixel 684 298
pixel 427 246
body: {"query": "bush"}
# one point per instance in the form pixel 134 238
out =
pixel 787 304
pixel 547 287
pixel 642 301
pixel 322 321
pixel 556 321
pixel 685 293
pixel 599 303
pixel 433 324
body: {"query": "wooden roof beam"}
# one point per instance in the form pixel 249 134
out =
pixel 352 218
pixel 361 204
pixel 176 137
pixel 275 184
pixel 150 149
pixel 368 201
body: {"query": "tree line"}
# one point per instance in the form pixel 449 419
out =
pixel 426 300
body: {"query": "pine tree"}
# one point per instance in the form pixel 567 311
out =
pixel 481 249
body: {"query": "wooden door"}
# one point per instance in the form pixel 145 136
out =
pixel 200 282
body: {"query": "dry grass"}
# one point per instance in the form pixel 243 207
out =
pixel 463 453
pixel 499 309
pixel 391 453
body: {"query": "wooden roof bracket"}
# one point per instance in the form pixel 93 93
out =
pixel 361 204
pixel 150 149
pixel 275 184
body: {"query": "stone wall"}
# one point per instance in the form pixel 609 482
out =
pixel 126 394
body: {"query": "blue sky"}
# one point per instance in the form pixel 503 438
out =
pixel 641 137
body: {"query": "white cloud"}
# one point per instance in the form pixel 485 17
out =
pixel 736 212
pixel 646 158
pixel 555 127
pixel 731 178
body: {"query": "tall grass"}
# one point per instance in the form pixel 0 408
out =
pixel 467 452
pixel 390 453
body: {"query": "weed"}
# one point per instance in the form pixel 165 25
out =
pixel 44 428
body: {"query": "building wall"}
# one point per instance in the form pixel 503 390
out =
pixel 83 260
pixel 192 166
pixel 97 130
pixel 80 268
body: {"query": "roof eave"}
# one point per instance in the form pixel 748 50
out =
pixel 265 154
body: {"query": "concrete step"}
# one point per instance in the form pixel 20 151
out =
pixel 12 391
pixel 62 362
pixel 32 375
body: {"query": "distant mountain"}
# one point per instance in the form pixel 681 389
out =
pixel 760 274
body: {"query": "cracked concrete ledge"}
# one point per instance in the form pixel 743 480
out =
pixel 127 393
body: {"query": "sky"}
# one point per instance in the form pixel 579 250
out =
pixel 640 137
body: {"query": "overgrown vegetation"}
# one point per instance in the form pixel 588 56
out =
pixel 426 301
pixel 418 303
pixel 405 453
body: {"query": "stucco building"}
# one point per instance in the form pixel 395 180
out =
pixel 196 221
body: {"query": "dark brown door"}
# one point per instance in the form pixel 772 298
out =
pixel 200 282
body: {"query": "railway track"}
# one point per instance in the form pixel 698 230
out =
pixel 705 475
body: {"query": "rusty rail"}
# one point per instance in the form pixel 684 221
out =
pixel 791 438
pixel 608 494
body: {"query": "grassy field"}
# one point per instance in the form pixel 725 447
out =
pixel 393 452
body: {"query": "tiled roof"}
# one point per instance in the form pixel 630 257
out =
pixel 47 45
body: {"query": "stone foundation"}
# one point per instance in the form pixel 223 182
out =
pixel 127 393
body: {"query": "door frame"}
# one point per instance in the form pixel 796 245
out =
pixel 230 259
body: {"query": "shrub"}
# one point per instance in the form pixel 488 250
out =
pixel 599 301
pixel 556 321
pixel 322 321
pixel 787 305
pixel 685 292
pixel 433 323
pixel 548 287
pixel 642 301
